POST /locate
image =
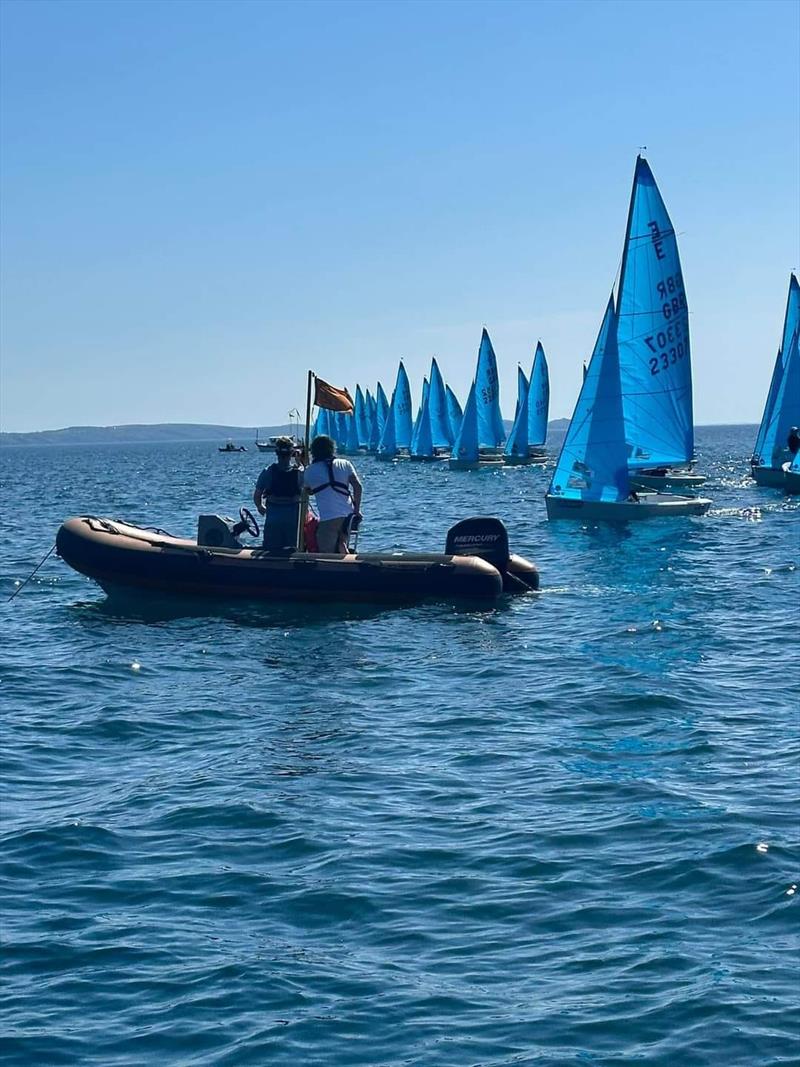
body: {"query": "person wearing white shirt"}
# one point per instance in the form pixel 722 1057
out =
pixel 336 489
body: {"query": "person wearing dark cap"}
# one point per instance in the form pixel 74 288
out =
pixel 277 497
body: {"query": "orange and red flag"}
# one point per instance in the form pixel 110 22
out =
pixel 328 396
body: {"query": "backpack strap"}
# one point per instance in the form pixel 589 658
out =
pixel 343 488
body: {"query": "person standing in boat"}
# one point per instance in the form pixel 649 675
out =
pixel 336 489
pixel 279 487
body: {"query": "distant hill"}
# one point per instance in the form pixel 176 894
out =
pixel 162 433
pixel 166 432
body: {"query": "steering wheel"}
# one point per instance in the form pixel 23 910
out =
pixel 249 520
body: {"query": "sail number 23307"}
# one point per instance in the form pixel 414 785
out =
pixel 669 348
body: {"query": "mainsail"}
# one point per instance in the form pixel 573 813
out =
pixel 593 460
pixel 652 334
pixel 454 412
pixel 538 399
pixel 491 431
pixel 421 414
pixel 517 443
pixel 465 446
pixel 437 403
pixel 361 419
pixel 402 409
pixel 422 442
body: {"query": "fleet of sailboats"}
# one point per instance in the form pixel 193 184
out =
pixel 630 441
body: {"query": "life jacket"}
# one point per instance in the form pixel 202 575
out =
pixel 284 486
pixel 338 487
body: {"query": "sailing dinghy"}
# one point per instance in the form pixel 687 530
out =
pixel 526 441
pixel 782 410
pixel 591 480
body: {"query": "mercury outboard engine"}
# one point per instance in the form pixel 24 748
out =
pixel 487 537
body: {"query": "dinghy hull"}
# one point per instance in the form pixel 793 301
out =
pixel 773 477
pixel 119 556
pixel 650 506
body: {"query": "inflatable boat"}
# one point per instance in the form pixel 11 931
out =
pixel 122 557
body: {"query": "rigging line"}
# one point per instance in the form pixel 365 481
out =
pixel 50 551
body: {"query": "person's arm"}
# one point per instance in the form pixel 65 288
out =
pixel 356 489
pixel 261 488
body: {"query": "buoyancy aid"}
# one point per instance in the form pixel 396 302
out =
pixel 338 487
pixel 285 485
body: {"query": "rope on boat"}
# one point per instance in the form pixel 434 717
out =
pixel 21 586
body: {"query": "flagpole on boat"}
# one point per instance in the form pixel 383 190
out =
pixel 301 516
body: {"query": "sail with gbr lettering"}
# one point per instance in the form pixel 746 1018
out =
pixel 652 334
pixel 491 431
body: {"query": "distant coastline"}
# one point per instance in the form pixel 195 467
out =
pixel 171 433
pixel 143 433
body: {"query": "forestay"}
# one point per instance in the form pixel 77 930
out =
pixel 593 460
pixel 653 334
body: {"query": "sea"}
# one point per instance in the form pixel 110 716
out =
pixel 558 829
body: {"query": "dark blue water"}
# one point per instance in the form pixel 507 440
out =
pixel 560 830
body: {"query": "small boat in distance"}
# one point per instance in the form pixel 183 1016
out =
pixel 526 441
pixel 229 446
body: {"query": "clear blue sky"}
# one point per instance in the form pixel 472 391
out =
pixel 202 200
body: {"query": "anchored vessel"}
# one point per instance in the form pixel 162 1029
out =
pixel 122 557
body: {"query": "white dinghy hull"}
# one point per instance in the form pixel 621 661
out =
pixel 651 506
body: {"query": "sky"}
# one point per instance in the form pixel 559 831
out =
pixel 201 201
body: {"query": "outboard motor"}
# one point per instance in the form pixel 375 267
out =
pixel 487 537
pixel 482 536
pixel 214 531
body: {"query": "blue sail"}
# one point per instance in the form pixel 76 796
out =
pixel 465 446
pixel 353 439
pixel 593 460
pixel 786 411
pixel 323 425
pixel 402 409
pixel 454 412
pixel 372 421
pixel 422 445
pixel 422 413
pixel 381 413
pixel 361 419
pixel 538 399
pixel 491 431
pixel 791 322
pixel 342 424
pixel 653 334
pixel 517 443
pixel 440 422
pixel 522 389
pixel 387 445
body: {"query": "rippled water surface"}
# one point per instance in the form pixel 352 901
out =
pixel 559 830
